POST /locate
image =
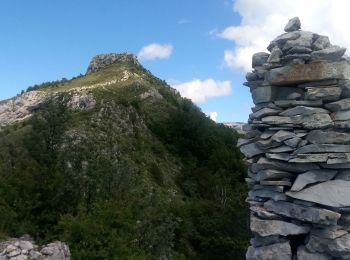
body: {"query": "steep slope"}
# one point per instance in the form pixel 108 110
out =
pixel 118 165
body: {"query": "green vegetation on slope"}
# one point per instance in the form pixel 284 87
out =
pixel 132 178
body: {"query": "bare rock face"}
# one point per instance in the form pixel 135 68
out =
pixel 24 248
pixel 100 61
pixel 20 107
pixel 23 106
pixel 297 147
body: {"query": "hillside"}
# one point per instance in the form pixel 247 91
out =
pixel 119 166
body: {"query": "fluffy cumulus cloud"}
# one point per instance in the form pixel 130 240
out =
pixel 212 115
pixel 155 51
pixel 263 20
pixel 199 90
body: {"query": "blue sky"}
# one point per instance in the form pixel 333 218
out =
pixel 46 40
pixel 211 41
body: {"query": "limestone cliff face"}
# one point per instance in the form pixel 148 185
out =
pixel 20 107
pixel 102 60
pixel 23 106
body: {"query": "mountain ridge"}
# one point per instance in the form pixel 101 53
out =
pixel 117 164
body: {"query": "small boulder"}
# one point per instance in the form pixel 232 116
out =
pixel 293 24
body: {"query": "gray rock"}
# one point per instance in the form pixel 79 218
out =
pixel 331 232
pixel 327 137
pixel 56 250
pixel 266 144
pixel 259 59
pixel 263 213
pixel 339 247
pixel 311 177
pixel 282 39
pixel 343 175
pixel 242 141
pixel 276 183
pixel 293 24
pixel 343 104
pixel 328 82
pixel 281 149
pixel 270 174
pixel 309 158
pixel 271 252
pixel 303 110
pixel 303 254
pixel 287 93
pixel 299 50
pixel 342 124
pixel 291 103
pixel 258 241
pixel 276 227
pixel 322 42
pixel 330 93
pixel 341 115
pixel 275 56
pixel 337 158
pixel 299 57
pixel 100 61
pixel 294 142
pixel 272 188
pixel 313 121
pixel 26 245
pixel 303 213
pixel 305 40
pixel 333 53
pixel 277 120
pixel 265 112
pixel 35 255
pixel 264 163
pixel 267 134
pixel 323 148
pixel 299 73
pixel 251 76
pixel 263 94
pixel 282 135
pixel 266 194
pixel 253 84
pixel 278 156
pixel 251 150
pixel 337 194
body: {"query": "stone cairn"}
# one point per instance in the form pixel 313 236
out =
pixel 297 147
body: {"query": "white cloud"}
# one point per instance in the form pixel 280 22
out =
pixel 212 115
pixel 263 20
pixel 200 90
pixel 155 51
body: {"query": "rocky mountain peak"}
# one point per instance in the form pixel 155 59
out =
pixel 102 60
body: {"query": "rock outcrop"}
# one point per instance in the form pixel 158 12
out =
pixel 297 147
pixel 25 248
pixel 100 61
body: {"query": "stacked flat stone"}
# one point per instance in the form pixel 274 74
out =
pixel 297 147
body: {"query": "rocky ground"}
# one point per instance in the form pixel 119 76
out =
pixel 24 248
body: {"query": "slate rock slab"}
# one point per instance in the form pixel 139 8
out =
pixel 311 177
pixel 303 213
pixel 335 193
pixel 276 227
pixel 299 73
pixel 271 252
